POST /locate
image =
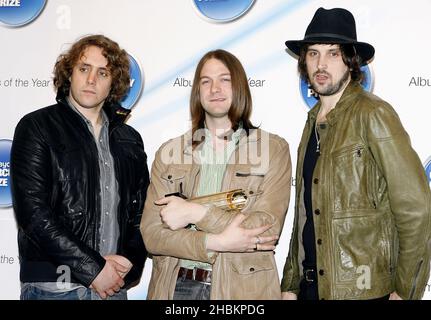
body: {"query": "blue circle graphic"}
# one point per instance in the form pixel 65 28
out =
pixel 5 194
pixel 17 13
pixel 136 84
pixel 428 170
pixel 310 97
pixel 223 10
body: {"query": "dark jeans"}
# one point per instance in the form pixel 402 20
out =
pixel 30 292
pixel 308 290
pixel 191 290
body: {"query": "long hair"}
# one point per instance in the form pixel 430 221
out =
pixel 118 65
pixel 240 110
pixel 350 58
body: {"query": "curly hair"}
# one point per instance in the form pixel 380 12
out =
pixel 350 58
pixel 241 108
pixel 118 65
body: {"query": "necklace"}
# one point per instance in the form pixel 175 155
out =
pixel 317 138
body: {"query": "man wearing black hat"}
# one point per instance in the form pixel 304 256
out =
pixel 361 229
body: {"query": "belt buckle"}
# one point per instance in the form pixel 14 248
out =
pixel 194 277
pixel 308 276
pixel 194 274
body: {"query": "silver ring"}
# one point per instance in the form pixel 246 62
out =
pixel 257 240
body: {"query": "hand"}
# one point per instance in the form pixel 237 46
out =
pixel 395 296
pixel 235 238
pixel 109 281
pixel 123 261
pixel 178 213
pixel 289 296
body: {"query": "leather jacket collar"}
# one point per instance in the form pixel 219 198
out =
pixel 115 112
pixel 351 90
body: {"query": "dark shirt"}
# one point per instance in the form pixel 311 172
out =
pixel 308 237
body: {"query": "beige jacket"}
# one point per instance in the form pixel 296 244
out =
pixel 260 162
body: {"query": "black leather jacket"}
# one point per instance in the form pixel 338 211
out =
pixel 56 194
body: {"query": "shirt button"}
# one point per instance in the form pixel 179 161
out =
pixel 103 240
pixel 317 211
pixel 319 241
pixel 106 163
pixel 106 187
pixel 251 269
pixel 321 272
pixel 107 213
pixel 316 180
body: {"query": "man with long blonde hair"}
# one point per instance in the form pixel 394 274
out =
pixel 203 252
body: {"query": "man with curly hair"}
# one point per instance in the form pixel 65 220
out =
pixel 79 180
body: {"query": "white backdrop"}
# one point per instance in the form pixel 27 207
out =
pixel 169 37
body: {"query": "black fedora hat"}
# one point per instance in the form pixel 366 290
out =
pixel 335 26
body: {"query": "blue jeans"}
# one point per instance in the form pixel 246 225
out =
pixel 31 292
pixel 186 289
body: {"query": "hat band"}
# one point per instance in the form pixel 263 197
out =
pixel 328 35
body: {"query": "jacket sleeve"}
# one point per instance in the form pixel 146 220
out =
pixel 135 249
pixel 291 273
pixel 409 197
pixel 270 207
pixel 33 193
pixel 159 240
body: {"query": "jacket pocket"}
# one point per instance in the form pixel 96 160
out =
pixel 254 276
pixel 362 249
pixel 246 178
pixel 174 179
pixel 351 179
pixel 251 265
pixel 75 220
pixel 134 209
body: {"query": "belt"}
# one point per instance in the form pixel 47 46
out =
pixel 309 275
pixel 196 274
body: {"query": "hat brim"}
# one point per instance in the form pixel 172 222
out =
pixel 364 50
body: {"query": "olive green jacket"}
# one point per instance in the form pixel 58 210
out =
pixel 260 165
pixel 371 203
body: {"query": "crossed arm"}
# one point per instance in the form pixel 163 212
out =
pixel 218 230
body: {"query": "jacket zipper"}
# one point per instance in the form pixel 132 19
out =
pixel 412 292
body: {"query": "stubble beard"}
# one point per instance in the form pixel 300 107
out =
pixel 332 89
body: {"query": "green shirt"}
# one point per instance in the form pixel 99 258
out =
pixel 213 166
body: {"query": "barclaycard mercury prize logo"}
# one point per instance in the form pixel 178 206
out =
pixel 222 10
pixel 5 194
pixel 311 98
pixel 428 170
pixel 136 84
pixel 16 13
